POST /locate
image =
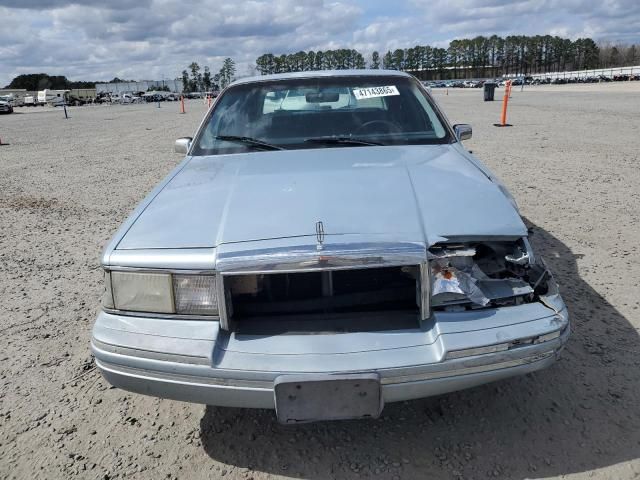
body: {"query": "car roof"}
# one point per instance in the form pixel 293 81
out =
pixel 323 74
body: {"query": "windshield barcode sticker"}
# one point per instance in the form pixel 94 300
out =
pixel 372 92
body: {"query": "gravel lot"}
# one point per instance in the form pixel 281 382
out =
pixel 571 159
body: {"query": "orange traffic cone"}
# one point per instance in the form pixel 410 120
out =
pixel 505 102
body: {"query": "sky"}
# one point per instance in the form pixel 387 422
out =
pixel 155 39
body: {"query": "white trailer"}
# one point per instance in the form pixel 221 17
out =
pixel 52 97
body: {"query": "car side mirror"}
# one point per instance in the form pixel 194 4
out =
pixel 182 145
pixel 463 131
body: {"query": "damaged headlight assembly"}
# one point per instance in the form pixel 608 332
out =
pixel 482 274
pixel 161 292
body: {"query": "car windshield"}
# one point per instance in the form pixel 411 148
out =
pixel 325 112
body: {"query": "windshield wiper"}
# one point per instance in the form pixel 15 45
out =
pixel 341 140
pixel 254 142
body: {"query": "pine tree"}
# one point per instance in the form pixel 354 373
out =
pixel 375 60
pixel 186 86
pixel 206 79
pixel 195 72
pixel 227 72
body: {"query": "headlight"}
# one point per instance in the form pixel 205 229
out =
pixel 195 294
pixel 142 292
pixel 151 292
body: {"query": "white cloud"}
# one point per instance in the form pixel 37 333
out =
pixel 97 39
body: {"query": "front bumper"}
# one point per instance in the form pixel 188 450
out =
pixel 195 361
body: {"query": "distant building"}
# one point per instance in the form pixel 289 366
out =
pixel 142 86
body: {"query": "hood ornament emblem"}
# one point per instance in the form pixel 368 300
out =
pixel 319 236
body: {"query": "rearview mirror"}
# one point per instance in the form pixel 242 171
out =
pixel 463 131
pixel 321 97
pixel 182 145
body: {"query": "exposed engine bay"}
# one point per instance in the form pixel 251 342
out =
pixel 485 274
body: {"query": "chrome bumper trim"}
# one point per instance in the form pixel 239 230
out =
pixel 148 354
pixel 268 385
pixel 178 378
pixel 467 370
pixel 502 347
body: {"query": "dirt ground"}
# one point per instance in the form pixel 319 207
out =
pixel 571 160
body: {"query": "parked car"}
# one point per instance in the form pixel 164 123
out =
pixel 5 107
pixel 103 97
pixel 324 259
pixel 77 101
pixel 13 100
pixel 154 97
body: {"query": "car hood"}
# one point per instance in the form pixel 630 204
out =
pixel 424 193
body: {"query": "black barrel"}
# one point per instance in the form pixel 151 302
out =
pixel 489 91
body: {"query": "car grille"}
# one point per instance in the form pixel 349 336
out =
pixel 327 299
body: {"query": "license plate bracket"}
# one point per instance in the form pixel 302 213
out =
pixel 316 397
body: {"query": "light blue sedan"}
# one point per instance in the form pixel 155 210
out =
pixel 327 246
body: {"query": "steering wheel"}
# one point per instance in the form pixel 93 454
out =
pixel 374 126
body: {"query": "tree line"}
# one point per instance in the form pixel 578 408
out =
pixel 496 56
pixel 40 81
pixel 619 55
pixel 466 58
pixel 481 56
pixel 196 80
pixel 301 61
